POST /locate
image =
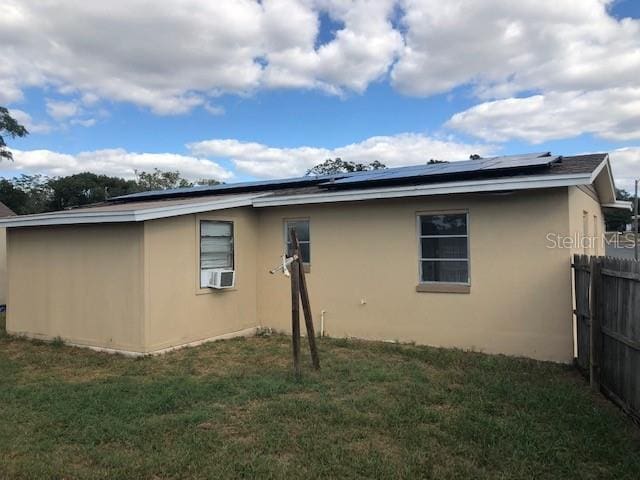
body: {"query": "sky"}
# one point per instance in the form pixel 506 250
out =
pixel 241 89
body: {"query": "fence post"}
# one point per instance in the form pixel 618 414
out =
pixel 595 333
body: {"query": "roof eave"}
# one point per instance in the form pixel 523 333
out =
pixel 140 215
pixel 268 200
pixel 603 182
pixel 475 186
pixel 619 204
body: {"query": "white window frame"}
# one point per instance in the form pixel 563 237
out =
pixel 421 259
pixel 233 248
pixel 287 240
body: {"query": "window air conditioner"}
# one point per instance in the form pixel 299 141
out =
pixel 222 279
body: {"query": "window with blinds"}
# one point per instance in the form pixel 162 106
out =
pixel 216 246
pixel 444 248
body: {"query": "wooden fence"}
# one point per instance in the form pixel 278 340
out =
pixel 607 298
pixel 582 288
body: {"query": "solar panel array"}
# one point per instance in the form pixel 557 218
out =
pixel 226 187
pixel 437 169
pixel 493 164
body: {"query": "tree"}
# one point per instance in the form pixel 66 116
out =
pixel 159 180
pixel 9 126
pixel 25 194
pixel 13 197
pixel 36 187
pixel 36 194
pixel 474 156
pixel 338 165
pixel 87 188
pixel 433 161
pixel 207 181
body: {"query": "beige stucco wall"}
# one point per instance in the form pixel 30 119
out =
pixel 177 310
pixel 135 286
pixel 81 283
pixel 3 266
pixel 583 200
pixel 364 271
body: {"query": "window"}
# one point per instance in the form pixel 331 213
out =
pixel 302 230
pixel 216 247
pixel 444 248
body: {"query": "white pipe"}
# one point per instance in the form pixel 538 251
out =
pixel 322 312
pixel 285 263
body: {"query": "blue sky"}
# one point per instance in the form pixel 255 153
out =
pixel 268 90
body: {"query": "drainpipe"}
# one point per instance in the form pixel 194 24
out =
pixel 322 312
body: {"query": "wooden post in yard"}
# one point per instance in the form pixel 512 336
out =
pixel 595 334
pixel 295 315
pixel 306 304
pixel 636 238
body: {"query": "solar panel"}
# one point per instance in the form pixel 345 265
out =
pixel 507 162
pixel 226 187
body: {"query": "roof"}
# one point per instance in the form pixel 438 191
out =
pixel 5 211
pixel 469 168
pixel 519 172
pixel 223 188
pixel 568 171
pixel 132 211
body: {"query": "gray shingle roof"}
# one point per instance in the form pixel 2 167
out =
pixel 5 211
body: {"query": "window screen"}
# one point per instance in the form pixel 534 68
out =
pixel 444 248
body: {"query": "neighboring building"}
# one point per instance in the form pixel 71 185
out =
pixel 455 255
pixel 621 245
pixel 4 212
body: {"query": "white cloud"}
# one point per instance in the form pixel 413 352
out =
pixel 9 91
pixel 214 109
pixel 625 163
pixel 74 112
pixel 24 119
pixel 507 47
pixel 612 114
pixel 61 110
pixel 89 99
pixel 115 162
pixel 87 122
pixel 162 55
pixel 360 53
pixel 173 55
pixel 581 62
pixel 271 162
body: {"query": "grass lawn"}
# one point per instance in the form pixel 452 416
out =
pixel 232 409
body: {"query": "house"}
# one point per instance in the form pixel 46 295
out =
pixel 472 254
pixel 4 212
